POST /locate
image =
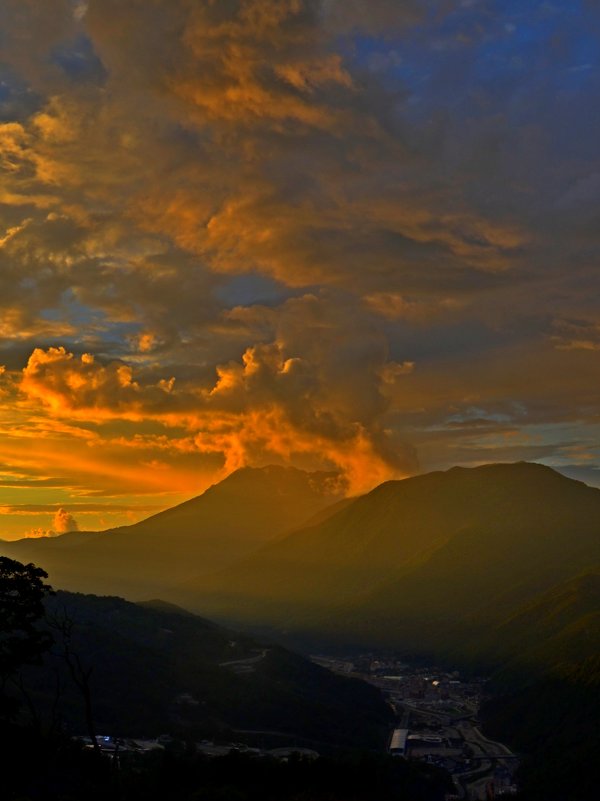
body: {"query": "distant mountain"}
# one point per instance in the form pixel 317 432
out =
pixel 158 669
pixel 225 523
pixel 423 564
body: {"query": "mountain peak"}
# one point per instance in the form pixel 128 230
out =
pixel 280 478
pixel 204 534
pixel 499 472
pixel 532 468
pixel 444 546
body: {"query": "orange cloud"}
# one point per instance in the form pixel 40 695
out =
pixel 395 306
pixel 270 406
pixel 163 214
pixel 267 435
pixel 40 533
pixel 64 521
pixel 69 384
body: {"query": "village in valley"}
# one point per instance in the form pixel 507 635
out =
pixel 437 722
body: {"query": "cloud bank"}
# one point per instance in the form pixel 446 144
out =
pixel 348 235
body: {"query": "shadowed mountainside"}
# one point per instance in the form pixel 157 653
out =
pixel 157 668
pixel 424 564
pixel 204 534
pixel 555 632
pixel 546 690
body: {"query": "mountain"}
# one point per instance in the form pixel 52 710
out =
pixel 554 633
pixel 228 521
pixel 430 564
pixel 493 569
pixel 546 689
pixel 158 669
pixel 552 721
pixel 422 564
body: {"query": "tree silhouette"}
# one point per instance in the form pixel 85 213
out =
pixel 80 672
pixel 22 593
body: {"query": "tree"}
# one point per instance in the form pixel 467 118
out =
pixel 80 673
pixel 22 593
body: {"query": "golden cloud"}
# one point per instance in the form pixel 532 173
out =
pixel 69 384
pixel 269 406
pixel 215 141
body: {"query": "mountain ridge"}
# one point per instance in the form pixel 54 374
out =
pixel 199 535
pixel 499 533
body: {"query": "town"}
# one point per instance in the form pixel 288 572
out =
pixel 437 722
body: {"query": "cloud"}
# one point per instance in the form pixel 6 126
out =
pixel 233 90
pixel 62 522
pixel 69 384
pixel 306 395
pixel 378 17
pixel 301 395
pixel 403 186
pixel 81 508
pixel 40 533
pixel 31 31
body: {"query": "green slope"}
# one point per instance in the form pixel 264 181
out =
pixel 551 634
pixel 225 523
pixel 367 541
pixel 552 721
pixel 548 710
pixel 546 688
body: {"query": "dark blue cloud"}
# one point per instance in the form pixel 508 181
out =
pixel 17 100
pixel 79 61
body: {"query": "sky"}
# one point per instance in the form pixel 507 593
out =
pixel 359 236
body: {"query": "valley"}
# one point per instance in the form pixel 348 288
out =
pixel 488 572
pixel 437 721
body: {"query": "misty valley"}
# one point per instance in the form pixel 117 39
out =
pixel 435 638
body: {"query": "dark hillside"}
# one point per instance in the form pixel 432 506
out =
pixel 158 670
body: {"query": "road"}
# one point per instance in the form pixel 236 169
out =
pixel 487 754
pixel 475 782
pixel 245 665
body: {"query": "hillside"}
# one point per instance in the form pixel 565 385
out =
pixel 545 683
pixel 554 633
pixel 204 534
pixel 159 669
pixel 491 568
pixel 419 564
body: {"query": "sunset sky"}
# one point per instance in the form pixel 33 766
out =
pixel 335 234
